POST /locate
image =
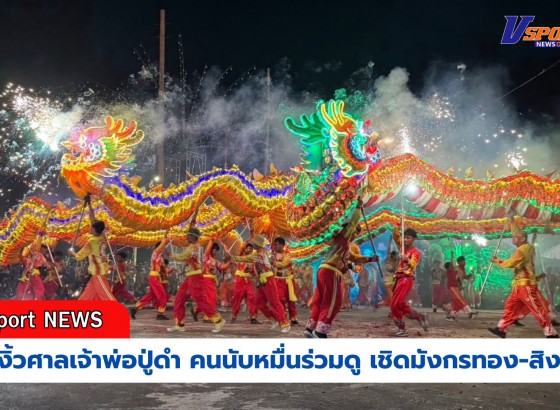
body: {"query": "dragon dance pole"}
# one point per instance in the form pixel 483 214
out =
pixel 493 256
pixel 109 245
pixel 239 237
pixel 51 255
pixel 54 266
pixel 542 267
pixel 402 221
pixel 79 225
pixel 452 249
pixel 371 241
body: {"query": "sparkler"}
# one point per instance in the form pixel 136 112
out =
pixel 479 240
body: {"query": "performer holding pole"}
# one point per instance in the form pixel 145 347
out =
pixel 194 284
pixel 97 287
pixel 267 298
pixel 243 287
pixel 524 294
pixel 404 281
pixel 328 295
pixel 30 286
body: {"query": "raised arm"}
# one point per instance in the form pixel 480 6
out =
pixel 84 252
pixel 159 250
pixel 245 258
pixel 516 259
pixel 188 253
pixel 354 222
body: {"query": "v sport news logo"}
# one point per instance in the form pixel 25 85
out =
pixel 542 37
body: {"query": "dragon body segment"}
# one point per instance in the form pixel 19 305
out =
pixel 339 163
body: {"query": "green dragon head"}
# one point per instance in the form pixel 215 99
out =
pixel 337 153
pixel 330 136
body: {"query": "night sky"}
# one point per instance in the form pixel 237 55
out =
pixel 62 43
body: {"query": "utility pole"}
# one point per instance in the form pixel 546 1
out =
pixel 161 93
pixel 267 142
pixel 226 150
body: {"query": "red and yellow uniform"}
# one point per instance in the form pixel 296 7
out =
pixel 52 280
pixel 286 282
pixel 119 287
pixel 525 292
pixel 327 298
pixel 195 284
pixel 97 287
pixel 166 273
pixel 156 295
pixel 404 282
pixel 210 271
pixel 525 311
pixel 31 285
pixel 243 288
pixel 268 301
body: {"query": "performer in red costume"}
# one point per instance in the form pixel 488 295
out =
pixel 194 284
pixel 244 288
pixel 458 302
pixel 524 293
pixel 156 295
pixel 120 289
pixel 404 281
pixel 212 270
pixel 285 282
pixel 327 299
pixel 97 287
pixel 30 286
pixel 268 300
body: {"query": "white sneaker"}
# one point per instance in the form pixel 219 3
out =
pixel 285 329
pixel 176 328
pixel 219 326
pixel 402 333
pixel 274 325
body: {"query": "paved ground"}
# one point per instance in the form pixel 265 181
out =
pixel 354 323
pixel 357 323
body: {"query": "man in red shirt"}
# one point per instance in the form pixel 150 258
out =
pixel 156 295
pixel 119 286
pixel 404 281
pixel 327 298
pixel 458 301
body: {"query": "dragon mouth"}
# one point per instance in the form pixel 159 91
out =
pixel 71 159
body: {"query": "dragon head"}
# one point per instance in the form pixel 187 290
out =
pixel 331 137
pixel 97 153
pixel 338 151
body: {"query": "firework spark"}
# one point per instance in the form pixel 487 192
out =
pixel 479 240
pixel 515 160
